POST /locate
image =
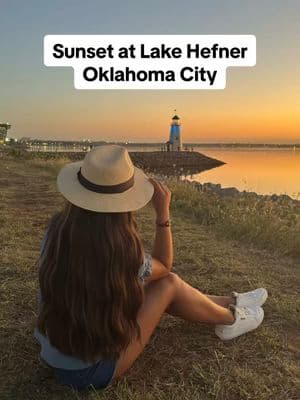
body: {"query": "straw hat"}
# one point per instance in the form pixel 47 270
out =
pixel 105 181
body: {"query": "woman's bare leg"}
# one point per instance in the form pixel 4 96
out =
pixel 170 294
pixel 192 305
pixel 223 301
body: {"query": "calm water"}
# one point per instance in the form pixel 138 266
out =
pixel 258 170
pixel 264 171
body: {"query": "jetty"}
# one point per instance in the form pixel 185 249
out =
pixel 174 162
pixel 160 162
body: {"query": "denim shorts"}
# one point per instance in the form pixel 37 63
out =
pixel 99 375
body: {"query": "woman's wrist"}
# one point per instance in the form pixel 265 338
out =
pixel 162 218
pixel 165 224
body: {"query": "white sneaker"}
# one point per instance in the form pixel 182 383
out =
pixel 256 298
pixel 246 319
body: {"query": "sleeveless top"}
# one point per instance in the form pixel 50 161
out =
pixel 51 355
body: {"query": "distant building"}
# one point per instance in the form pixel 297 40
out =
pixel 4 127
pixel 174 143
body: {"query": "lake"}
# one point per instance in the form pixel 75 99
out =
pixel 264 171
pixel 261 170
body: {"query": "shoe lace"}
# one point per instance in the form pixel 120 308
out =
pixel 242 312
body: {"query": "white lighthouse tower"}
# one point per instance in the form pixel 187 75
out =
pixel 174 143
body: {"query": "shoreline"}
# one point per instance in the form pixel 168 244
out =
pixel 167 164
pixel 232 191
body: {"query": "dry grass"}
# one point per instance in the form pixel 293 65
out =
pixel 183 361
pixel 259 220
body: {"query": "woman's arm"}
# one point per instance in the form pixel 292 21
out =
pixel 162 254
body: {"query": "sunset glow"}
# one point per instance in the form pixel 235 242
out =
pixel 261 104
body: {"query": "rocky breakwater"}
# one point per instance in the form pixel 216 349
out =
pixel 173 163
pixel 234 192
pixel 159 162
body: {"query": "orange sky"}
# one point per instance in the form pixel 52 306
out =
pixel 228 115
pixel 259 104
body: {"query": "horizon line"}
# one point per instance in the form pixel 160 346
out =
pixel 129 142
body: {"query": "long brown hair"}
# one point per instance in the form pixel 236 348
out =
pixel 90 290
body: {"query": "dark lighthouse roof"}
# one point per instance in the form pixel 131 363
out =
pixel 176 117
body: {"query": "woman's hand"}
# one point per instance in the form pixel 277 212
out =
pixel 161 200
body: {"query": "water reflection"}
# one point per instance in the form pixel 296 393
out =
pixel 261 171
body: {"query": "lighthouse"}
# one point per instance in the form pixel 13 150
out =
pixel 174 143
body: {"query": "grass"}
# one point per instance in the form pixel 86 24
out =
pixel 183 360
pixel 252 219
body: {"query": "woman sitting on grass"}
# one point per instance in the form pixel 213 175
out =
pixel 101 295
